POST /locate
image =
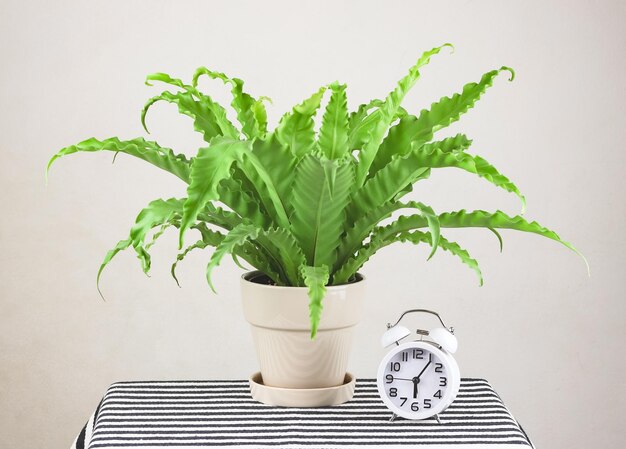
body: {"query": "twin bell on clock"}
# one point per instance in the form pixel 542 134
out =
pixel 418 379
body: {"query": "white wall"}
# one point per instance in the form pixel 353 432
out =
pixel 548 337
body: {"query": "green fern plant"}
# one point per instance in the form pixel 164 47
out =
pixel 306 208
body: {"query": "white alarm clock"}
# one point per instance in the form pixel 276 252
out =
pixel 418 379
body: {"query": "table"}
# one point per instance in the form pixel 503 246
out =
pixel 222 414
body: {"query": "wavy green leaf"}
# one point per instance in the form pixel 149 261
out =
pixel 280 164
pixel 296 128
pixel 431 156
pixel 433 224
pixel 263 183
pixel 250 112
pixel 403 171
pixel 243 202
pixel 211 166
pixel 219 217
pixel 451 247
pixel 404 137
pixel 163 214
pixel 319 213
pixel 333 136
pixel 164 158
pixel 477 219
pixel 157 213
pixel 164 227
pixel 262 261
pixel 361 122
pixel 165 78
pixel 499 237
pixel 315 278
pixel 209 238
pixel 205 121
pixel 380 240
pixel 285 250
pixel 200 244
pixel 209 117
pixel 234 239
pixel 363 227
pixel 388 112
pixel 121 246
pixel 260 115
pixel 347 271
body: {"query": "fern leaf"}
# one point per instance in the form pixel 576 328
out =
pixel 296 129
pixel 219 217
pixel 333 136
pixel 265 187
pixel 210 167
pixel 381 239
pixel 404 137
pixel 164 78
pixel 315 278
pixel 163 214
pixel 242 201
pixel 350 267
pixel 499 237
pixel 357 232
pixel 262 261
pixel 401 172
pixel 431 156
pixel 121 246
pixel 200 244
pixel 250 112
pixel 452 247
pixel 157 213
pixel 209 238
pixel 388 112
pixel 362 228
pixel 214 114
pixel 260 116
pixel 208 117
pixel 280 164
pixel 163 158
pixel 285 250
pixel 477 219
pixel 361 122
pixel 234 239
pixel 318 211
pixel 387 185
pixel 500 220
pixel 433 224
pixel 164 227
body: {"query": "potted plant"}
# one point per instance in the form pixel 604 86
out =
pixel 305 208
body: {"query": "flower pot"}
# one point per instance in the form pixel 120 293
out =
pixel 279 318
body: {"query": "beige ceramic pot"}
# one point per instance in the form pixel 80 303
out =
pixel 279 317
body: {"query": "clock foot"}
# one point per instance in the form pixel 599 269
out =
pixel 437 418
pixel 393 417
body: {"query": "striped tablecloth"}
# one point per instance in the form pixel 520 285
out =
pixel 221 414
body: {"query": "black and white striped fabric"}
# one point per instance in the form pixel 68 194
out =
pixel 222 414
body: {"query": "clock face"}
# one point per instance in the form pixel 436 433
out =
pixel 416 380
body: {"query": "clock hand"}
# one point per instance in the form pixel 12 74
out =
pixel 415 391
pixel 430 359
pixel 400 378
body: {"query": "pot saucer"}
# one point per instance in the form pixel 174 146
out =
pixel 301 397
